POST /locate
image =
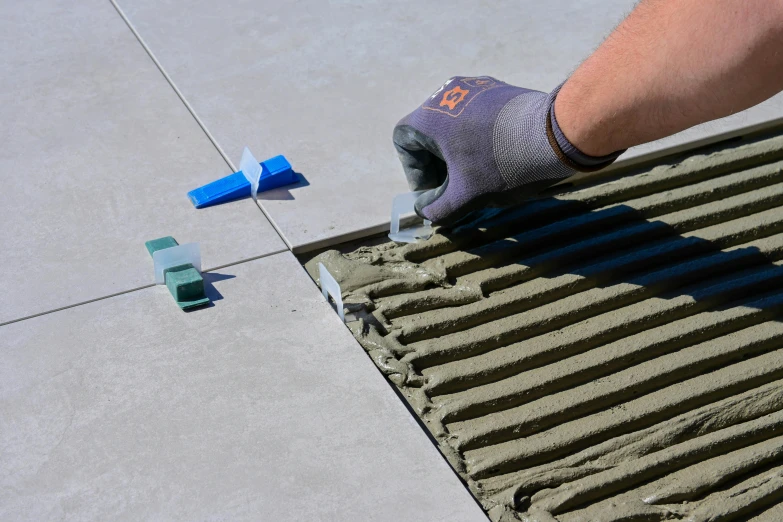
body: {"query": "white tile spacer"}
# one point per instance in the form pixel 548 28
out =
pixel 251 168
pixel 329 286
pixel 189 253
pixel 402 205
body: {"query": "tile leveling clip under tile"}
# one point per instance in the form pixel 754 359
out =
pixel 179 268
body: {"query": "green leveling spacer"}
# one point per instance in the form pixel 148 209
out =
pixel 179 268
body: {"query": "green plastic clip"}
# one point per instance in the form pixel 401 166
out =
pixel 183 281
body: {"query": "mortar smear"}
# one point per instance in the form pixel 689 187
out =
pixel 611 352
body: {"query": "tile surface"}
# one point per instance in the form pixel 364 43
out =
pixel 262 407
pixel 98 154
pixel 325 82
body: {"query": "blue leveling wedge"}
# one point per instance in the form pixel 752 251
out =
pixel 252 178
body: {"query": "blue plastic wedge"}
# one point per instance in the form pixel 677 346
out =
pixel 275 172
pixel 233 186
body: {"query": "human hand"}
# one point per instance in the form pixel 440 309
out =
pixel 479 142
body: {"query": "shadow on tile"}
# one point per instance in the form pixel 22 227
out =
pixel 209 289
pixel 284 193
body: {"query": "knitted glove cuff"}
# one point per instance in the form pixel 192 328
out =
pixel 567 152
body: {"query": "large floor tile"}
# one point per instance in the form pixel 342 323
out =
pixel 325 82
pixel 97 156
pixel 262 407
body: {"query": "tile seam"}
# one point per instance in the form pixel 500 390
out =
pixel 143 287
pixel 192 112
pixel 254 258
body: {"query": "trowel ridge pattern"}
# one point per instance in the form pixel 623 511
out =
pixel 614 352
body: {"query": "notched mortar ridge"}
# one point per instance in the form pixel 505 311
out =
pixel 393 288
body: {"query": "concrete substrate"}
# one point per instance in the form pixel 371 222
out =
pixel 610 352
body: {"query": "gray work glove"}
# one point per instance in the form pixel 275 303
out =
pixel 480 142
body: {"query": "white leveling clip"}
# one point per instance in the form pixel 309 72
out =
pixel 401 206
pixel 329 286
pixel 187 254
pixel 251 168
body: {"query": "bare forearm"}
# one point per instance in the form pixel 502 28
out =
pixel 670 65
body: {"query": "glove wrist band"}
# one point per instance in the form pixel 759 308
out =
pixel 576 159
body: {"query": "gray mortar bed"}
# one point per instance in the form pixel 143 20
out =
pixel 611 352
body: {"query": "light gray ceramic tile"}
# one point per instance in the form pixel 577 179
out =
pixel 262 407
pixel 325 82
pixel 97 156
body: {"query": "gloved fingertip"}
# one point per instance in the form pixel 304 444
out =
pixel 423 201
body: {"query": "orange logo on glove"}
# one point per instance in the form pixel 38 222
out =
pixel 453 97
pixel 461 93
